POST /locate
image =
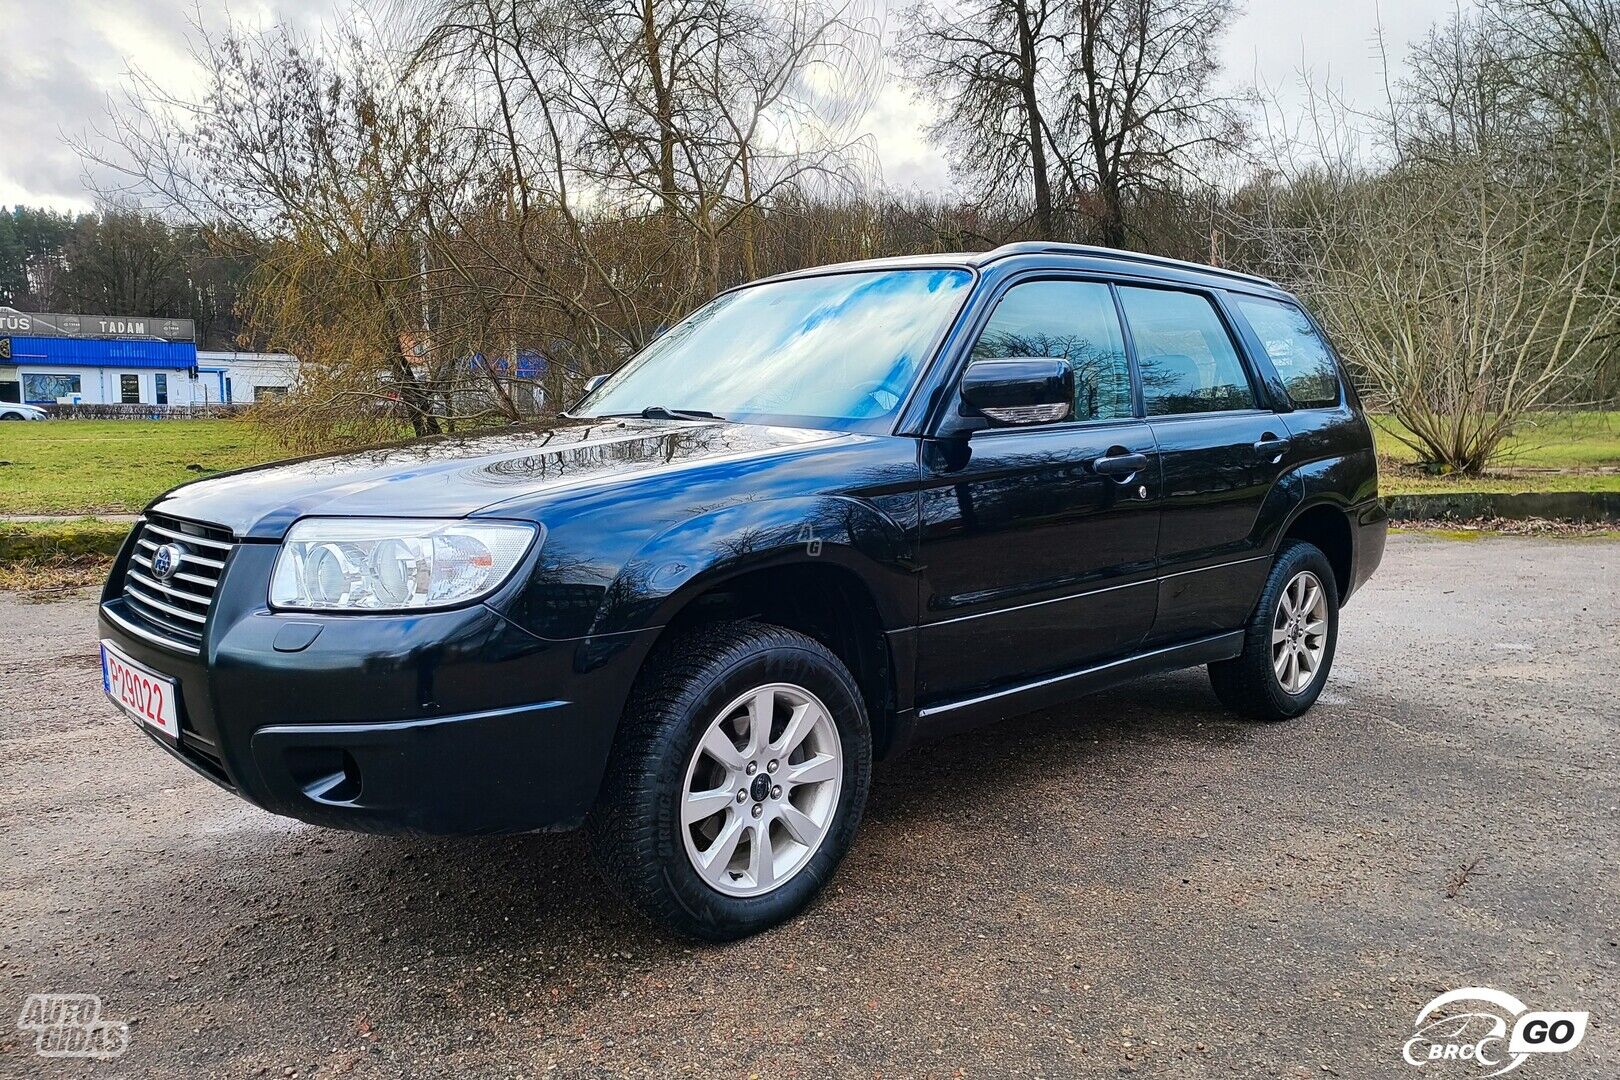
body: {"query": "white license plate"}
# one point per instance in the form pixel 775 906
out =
pixel 140 691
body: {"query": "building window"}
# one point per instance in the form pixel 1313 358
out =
pixel 46 389
pixel 160 388
pixel 129 389
pixel 264 393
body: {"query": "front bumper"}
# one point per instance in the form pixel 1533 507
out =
pixel 441 722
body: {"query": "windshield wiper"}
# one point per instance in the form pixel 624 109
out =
pixel 663 412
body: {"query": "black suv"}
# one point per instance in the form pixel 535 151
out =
pixel 827 514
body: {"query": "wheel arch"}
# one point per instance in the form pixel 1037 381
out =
pixel 1325 523
pixel 833 568
pixel 825 601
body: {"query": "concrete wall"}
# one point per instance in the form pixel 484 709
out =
pixel 103 386
pixel 248 373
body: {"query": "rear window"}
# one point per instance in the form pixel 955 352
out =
pixel 1296 349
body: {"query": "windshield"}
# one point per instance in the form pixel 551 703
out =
pixel 838 351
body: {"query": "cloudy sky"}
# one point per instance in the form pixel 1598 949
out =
pixel 68 56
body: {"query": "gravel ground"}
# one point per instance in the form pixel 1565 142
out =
pixel 1136 883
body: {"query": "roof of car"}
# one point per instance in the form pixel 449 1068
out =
pixel 1138 260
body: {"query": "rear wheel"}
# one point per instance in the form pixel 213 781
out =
pixel 1289 641
pixel 737 781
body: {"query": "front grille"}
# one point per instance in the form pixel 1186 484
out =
pixel 176 605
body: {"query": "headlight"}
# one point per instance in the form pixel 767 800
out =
pixel 394 564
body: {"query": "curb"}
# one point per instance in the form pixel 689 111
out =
pixel 1579 506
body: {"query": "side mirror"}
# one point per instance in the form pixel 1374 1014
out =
pixel 1019 390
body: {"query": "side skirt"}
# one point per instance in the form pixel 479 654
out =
pixel 950 717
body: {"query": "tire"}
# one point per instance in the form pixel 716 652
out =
pixel 1250 684
pixel 665 750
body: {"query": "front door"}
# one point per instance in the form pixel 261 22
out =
pixel 1034 561
pixel 1222 452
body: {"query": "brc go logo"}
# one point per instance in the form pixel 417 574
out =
pixel 1480 1037
pixel 70 1025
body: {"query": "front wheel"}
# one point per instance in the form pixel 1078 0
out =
pixel 1289 641
pixel 737 780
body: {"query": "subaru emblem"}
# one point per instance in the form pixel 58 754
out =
pixel 166 561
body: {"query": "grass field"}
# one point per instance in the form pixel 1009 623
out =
pixel 84 467
pixel 1578 444
pixel 75 467
pixel 1570 440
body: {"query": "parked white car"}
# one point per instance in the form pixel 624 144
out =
pixel 10 410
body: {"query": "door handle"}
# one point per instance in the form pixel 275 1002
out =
pixel 1270 448
pixel 1119 466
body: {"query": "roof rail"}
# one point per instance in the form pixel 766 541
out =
pixel 1039 247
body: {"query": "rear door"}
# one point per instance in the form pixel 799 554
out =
pixel 1035 561
pixel 1323 422
pixel 1221 452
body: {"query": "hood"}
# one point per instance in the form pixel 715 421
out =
pixel 453 476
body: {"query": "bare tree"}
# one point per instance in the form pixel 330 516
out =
pixel 642 141
pixel 313 153
pixel 1144 113
pixel 1468 265
pixel 996 67
pixel 1467 305
pixel 1087 107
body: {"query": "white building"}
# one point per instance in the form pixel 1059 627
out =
pixel 244 377
pixel 94 360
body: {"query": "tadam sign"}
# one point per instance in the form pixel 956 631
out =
pixel 50 324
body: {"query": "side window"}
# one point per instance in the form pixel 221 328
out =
pixel 1187 359
pixel 1074 320
pixel 1297 351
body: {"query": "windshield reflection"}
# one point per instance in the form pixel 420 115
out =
pixel 838 351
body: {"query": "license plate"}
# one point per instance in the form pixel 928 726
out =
pixel 140 691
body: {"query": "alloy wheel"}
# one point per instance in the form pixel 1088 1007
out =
pixel 1299 632
pixel 761 789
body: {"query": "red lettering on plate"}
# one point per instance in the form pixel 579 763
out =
pixel 140 694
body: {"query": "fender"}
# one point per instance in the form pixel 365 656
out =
pixel 693 556
pixel 1365 519
pixel 1280 506
pixel 1334 481
pixel 1322 484
pixel 1344 480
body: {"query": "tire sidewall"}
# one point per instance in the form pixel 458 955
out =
pixel 731 916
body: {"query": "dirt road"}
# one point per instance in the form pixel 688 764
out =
pixel 1134 884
